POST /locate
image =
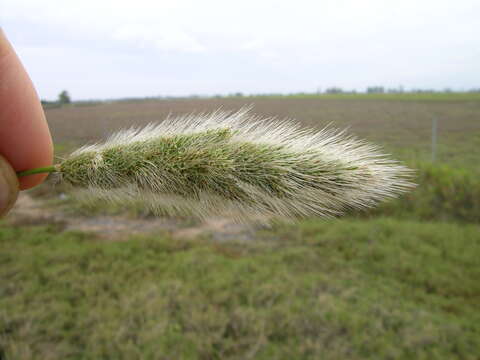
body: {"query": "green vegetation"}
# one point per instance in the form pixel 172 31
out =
pixel 343 289
pixel 64 98
pixel 448 189
pixel 443 193
pixel 378 285
pixel 269 178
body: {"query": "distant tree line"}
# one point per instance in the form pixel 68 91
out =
pixel 376 89
pixel 63 99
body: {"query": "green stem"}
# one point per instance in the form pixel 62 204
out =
pixel 40 170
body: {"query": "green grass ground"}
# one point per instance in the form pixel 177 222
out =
pixel 346 289
pixel 366 288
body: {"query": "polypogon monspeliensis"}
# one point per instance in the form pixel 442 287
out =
pixel 236 164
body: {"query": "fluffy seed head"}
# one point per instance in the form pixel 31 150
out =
pixel 236 164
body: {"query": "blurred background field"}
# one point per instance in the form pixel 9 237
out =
pixel 397 282
pixel 401 124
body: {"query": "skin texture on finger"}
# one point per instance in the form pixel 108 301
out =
pixel 25 139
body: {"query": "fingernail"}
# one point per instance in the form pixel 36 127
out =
pixel 8 186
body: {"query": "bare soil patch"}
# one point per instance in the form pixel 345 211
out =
pixel 33 211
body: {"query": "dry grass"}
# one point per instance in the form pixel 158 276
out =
pixel 403 127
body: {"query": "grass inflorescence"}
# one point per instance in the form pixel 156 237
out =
pixel 236 164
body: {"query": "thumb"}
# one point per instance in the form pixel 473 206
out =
pixel 8 186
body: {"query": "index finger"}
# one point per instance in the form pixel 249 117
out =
pixel 25 139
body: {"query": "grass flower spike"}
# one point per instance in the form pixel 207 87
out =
pixel 236 164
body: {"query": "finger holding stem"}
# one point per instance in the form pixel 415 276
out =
pixel 40 170
pixel 25 140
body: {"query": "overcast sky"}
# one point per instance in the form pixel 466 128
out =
pixel 114 48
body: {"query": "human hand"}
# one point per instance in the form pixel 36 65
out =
pixel 25 141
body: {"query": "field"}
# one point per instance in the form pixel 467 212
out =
pixel 400 282
pixel 402 126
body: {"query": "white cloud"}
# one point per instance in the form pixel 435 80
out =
pixel 160 37
pixel 252 45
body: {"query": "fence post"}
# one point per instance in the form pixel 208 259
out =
pixel 434 139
